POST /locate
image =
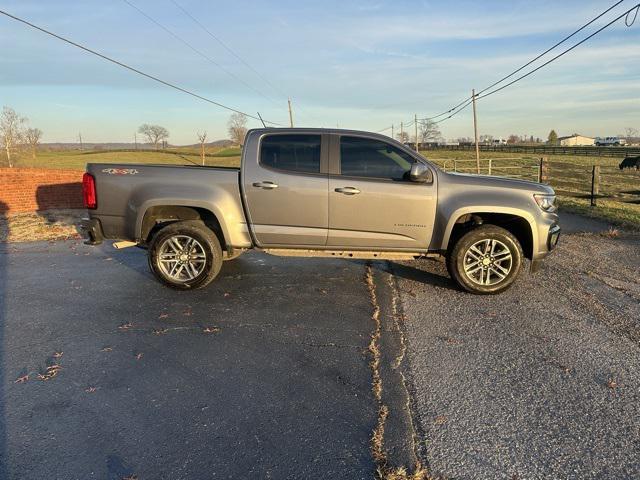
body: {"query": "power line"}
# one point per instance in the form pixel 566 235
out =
pixel 466 103
pixel 617 19
pixel 236 55
pixel 469 100
pixel 227 48
pixel 128 67
pixel 551 48
pixel 195 50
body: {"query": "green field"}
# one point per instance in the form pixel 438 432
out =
pixel 76 160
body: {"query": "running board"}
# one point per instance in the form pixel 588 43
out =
pixel 369 255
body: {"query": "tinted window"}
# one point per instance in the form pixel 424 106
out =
pixel 362 157
pixel 297 153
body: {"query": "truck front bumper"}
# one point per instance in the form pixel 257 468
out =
pixel 553 237
pixel 93 229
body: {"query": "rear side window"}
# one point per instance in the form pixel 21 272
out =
pixel 364 157
pixel 294 153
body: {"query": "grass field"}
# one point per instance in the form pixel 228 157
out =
pixel 76 160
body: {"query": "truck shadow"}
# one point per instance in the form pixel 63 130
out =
pixel 412 271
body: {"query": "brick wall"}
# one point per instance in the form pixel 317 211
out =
pixel 35 189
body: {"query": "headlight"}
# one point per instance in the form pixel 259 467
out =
pixel 546 202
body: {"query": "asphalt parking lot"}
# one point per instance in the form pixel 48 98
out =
pixel 265 374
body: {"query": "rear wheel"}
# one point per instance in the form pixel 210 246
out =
pixel 485 260
pixel 185 255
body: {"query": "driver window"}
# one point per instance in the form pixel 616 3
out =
pixel 364 157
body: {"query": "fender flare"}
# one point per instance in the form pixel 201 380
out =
pixel 489 209
pixel 176 202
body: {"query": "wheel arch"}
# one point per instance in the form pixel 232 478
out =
pixel 155 216
pixel 519 223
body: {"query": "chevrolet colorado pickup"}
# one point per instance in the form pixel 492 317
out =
pixel 322 192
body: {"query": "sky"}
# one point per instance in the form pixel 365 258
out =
pixel 352 64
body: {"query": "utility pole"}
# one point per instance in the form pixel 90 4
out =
pixel 402 132
pixel 392 131
pixel 475 130
pixel 135 140
pixel 80 138
pixel 415 125
pixel 290 113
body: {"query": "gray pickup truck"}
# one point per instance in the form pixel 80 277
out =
pixel 322 192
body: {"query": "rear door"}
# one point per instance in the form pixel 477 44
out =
pixel 286 190
pixel 372 202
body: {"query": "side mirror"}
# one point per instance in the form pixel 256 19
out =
pixel 420 173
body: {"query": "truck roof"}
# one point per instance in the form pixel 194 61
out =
pixel 315 130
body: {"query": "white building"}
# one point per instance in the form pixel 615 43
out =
pixel 576 140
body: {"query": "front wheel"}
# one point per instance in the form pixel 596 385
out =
pixel 485 260
pixel 185 255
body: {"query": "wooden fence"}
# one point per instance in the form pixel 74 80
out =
pixel 618 152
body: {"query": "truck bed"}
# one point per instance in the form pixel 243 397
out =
pixel 126 191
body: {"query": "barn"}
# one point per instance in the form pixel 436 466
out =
pixel 576 140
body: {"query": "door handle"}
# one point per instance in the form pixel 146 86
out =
pixel 348 190
pixel 265 185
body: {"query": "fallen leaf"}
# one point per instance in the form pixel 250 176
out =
pixel 159 331
pixel 440 420
pixel 210 330
pixel 612 384
pixel 106 349
pixel 57 354
pixel 90 389
pixel 139 356
pixel 125 326
pixel 51 371
pixel 22 379
pixel 163 315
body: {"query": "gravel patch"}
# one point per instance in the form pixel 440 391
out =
pixel 542 381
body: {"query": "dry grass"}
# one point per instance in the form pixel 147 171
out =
pixel 611 233
pixel 41 226
pixel 378 451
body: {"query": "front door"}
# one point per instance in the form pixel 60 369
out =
pixel 372 201
pixel 286 193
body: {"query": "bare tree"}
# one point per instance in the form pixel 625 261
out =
pixel 154 133
pixel 402 137
pixel 237 126
pixel 630 135
pixel 513 138
pixel 429 131
pixel 202 138
pixel 486 138
pixel 10 130
pixel 33 136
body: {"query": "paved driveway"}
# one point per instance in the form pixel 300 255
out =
pixel 265 374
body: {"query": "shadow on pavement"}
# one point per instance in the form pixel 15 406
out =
pixel 4 234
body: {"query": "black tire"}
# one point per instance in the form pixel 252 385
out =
pixel 462 255
pixel 206 242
